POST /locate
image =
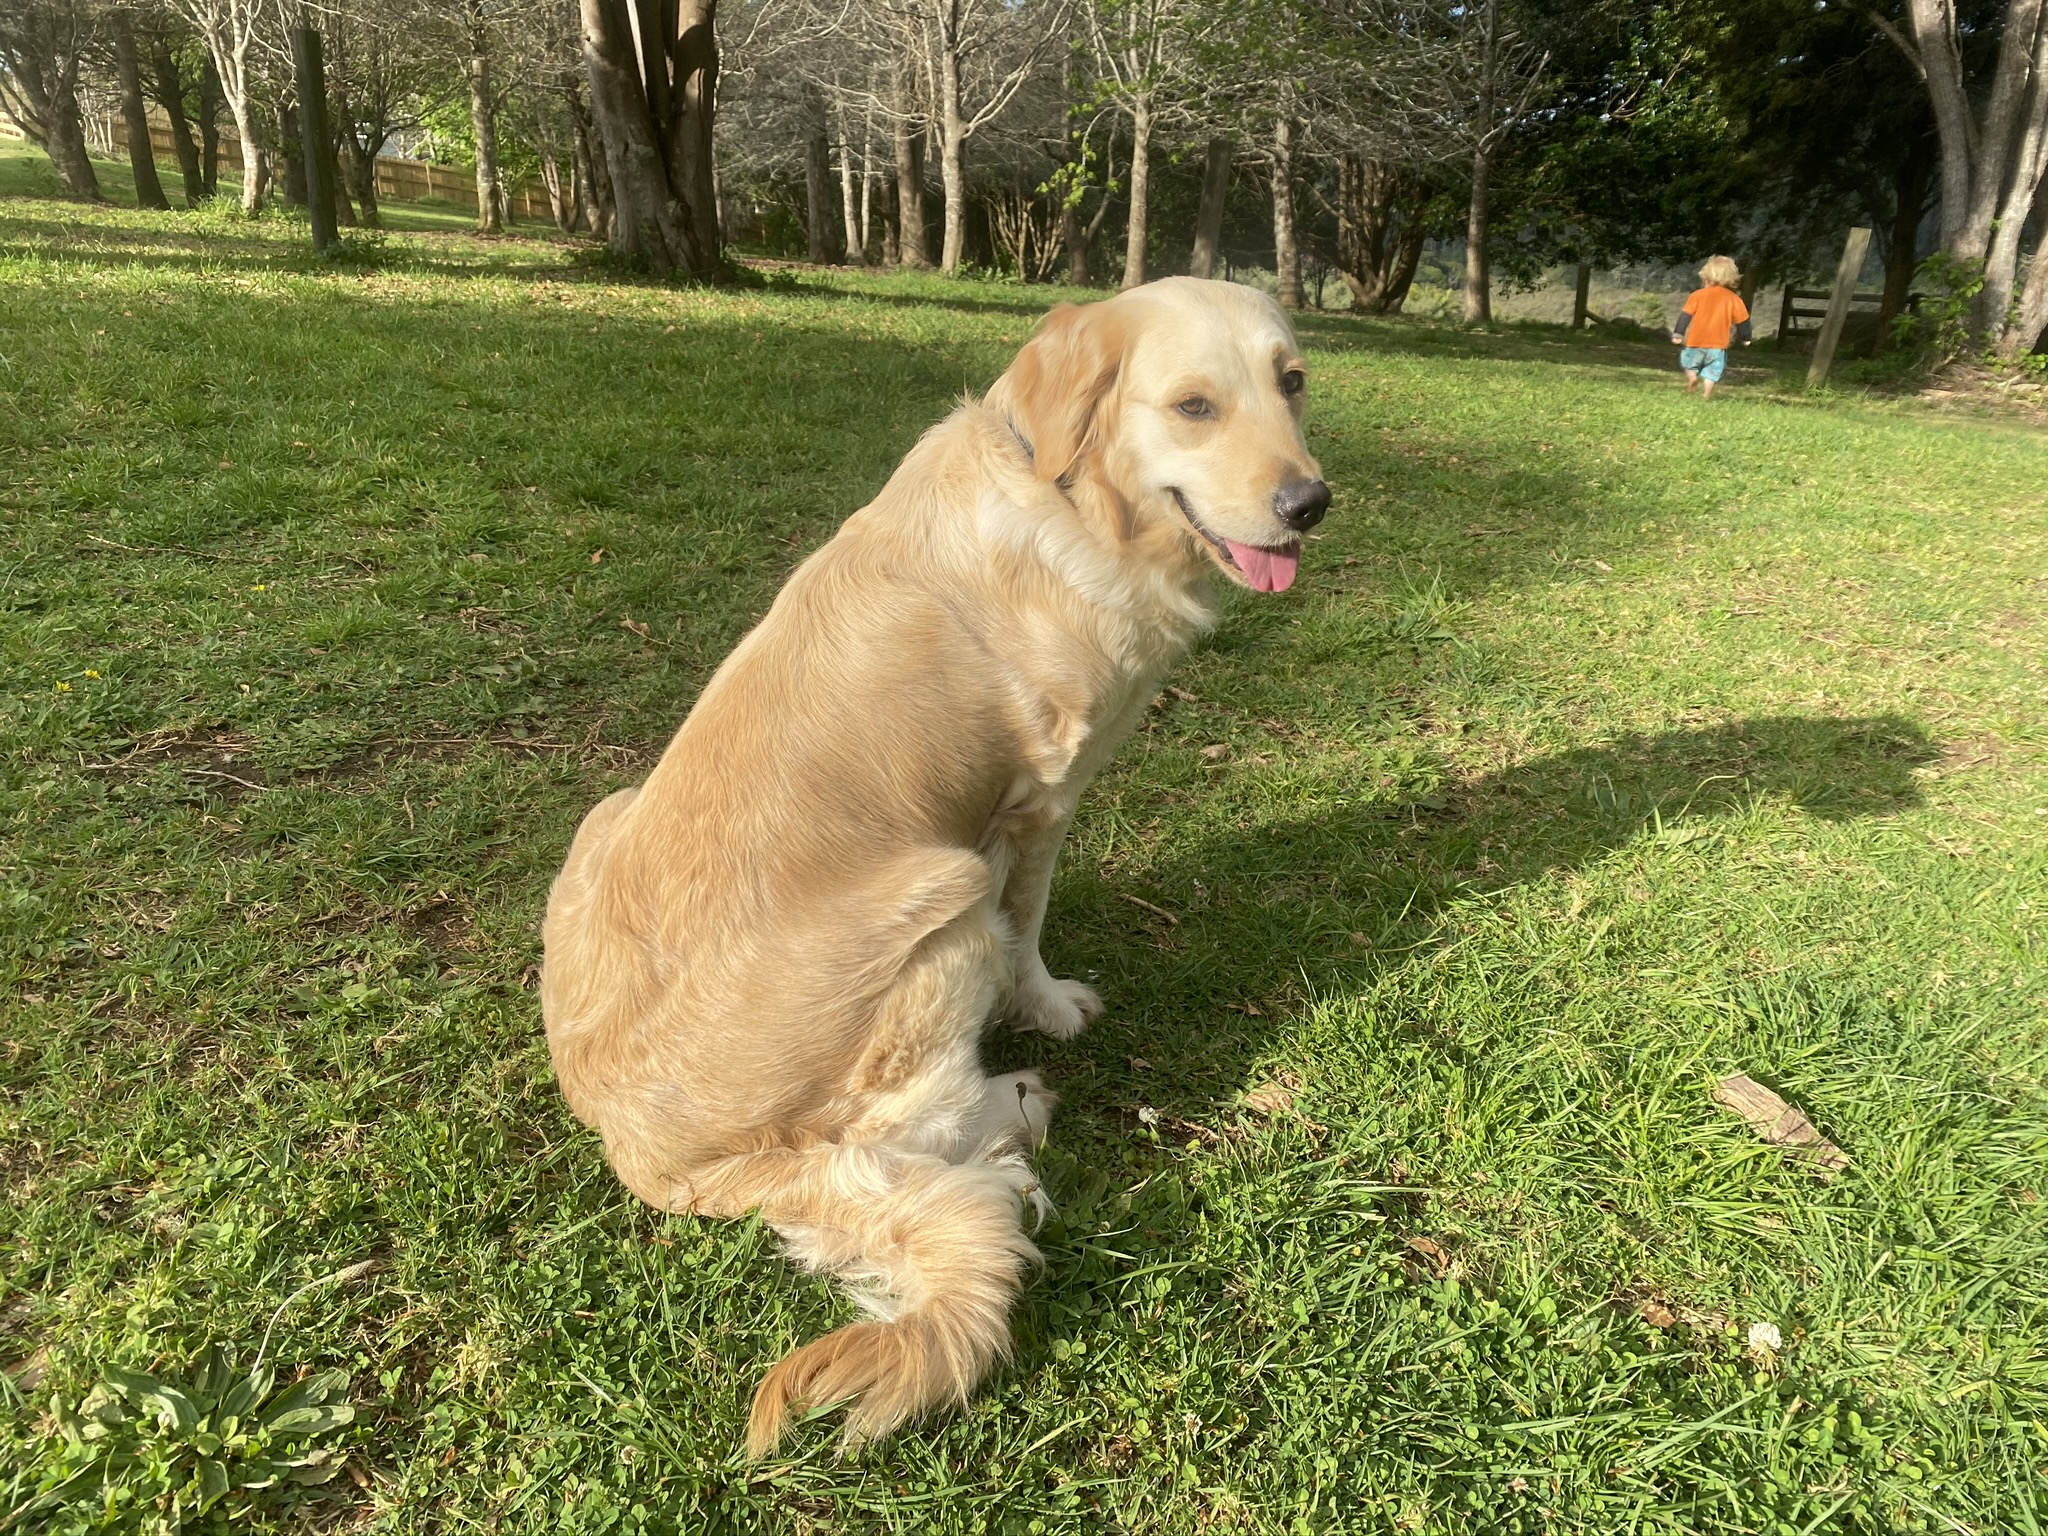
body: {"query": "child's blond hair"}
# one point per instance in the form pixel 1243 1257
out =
pixel 1721 272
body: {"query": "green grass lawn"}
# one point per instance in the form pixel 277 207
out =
pixel 1610 744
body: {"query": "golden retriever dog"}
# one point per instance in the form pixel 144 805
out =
pixel 769 967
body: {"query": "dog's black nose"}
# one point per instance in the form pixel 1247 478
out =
pixel 1301 505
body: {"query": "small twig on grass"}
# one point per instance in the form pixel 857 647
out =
pixel 1139 901
pixel 215 773
pixel 342 1276
pixel 161 549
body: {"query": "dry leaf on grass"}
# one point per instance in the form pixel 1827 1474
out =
pixel 1662 1312
pixel 1780 1124
pixel 1275 1097
pixel 1433 1254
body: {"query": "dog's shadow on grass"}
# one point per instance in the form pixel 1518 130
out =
pixel 1265 915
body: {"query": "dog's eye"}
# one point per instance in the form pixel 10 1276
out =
pixel 1293 382
pixel 1195 408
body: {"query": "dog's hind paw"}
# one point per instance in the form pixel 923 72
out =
pixel 1054 1007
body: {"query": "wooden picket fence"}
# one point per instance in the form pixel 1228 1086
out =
pixel 398 179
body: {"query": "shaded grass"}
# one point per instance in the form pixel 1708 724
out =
pixel 1609 744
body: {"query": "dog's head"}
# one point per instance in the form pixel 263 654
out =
pixel 1173 411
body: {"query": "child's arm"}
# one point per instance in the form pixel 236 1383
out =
pixel 1742 332
pixel 1684 324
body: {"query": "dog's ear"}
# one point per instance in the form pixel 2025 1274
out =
pixel 1056 391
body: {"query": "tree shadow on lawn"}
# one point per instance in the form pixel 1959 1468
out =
pixel 1272 914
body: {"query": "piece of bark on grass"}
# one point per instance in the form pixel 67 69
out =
pixel 1780 1124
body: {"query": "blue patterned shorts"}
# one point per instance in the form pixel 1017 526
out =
pixel 1707 362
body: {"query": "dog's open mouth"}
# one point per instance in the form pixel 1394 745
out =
pixel 1261 569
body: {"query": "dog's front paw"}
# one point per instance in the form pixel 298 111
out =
pixel 1054 1007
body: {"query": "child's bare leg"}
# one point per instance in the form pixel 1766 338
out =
pixel 1692 381
pixel 1707 390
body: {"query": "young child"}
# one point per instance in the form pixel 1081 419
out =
pixel 1713 317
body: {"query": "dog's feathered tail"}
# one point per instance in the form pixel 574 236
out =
pixel 935 1250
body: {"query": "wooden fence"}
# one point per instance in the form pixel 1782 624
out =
pixel 398 179
pixel 1803 310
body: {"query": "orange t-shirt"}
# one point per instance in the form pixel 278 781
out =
pixel 1715 314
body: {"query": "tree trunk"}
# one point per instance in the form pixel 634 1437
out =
pixel 1379 232
pixel 593 188
pixel 360 168
pixel 561 195
pixel 855 244
pixel 483 120
pixel 1076 244
pixel 1943 72
pixel 1995 138
pixel 42 59
pixel 66 135
pixel 2002 261
pixel 1478 277
pixel 316 152
pixel 952 138
pixel 67 152
pixel 344 209
pixel 255 170
pixel 910 232
pixel 1990 167
pixel 209 128
pixel 1286 252
pixel 2029 333
pixel 170 95
pixel 1582 292
pixel 867 186
pixel 1209 215
pixel 289 152
pixel 1910 187
pixel 818 194
pixel 656 124
pixel 1137 229
pixel 601 207
pixel 149 191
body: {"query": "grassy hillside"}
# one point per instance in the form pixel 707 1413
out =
pixel 1610 744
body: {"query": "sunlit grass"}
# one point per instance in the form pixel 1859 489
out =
pixel 1610 744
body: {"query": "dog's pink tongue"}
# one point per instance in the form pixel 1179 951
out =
pixel 1268 570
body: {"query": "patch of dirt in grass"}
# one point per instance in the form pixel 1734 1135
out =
pixel 444 926
pixel 1965 753
pixel 1964 385
pixel 222 761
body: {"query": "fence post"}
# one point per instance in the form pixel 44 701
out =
pixel 1838 306
pixel 1579 296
